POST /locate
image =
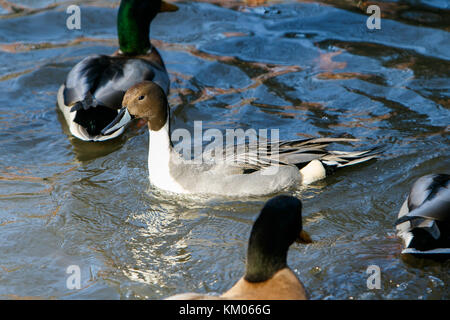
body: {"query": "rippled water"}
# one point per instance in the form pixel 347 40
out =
pixel 310 69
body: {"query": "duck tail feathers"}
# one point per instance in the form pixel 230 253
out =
pixel 340 159
pixel 88 102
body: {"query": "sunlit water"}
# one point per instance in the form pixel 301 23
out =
pixel 309 69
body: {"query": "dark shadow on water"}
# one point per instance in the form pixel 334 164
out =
pixel 421 261
pixel 86 151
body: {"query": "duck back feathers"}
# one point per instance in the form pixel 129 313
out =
pixel 424 219
pixel 95 87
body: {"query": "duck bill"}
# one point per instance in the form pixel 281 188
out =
pixel 122 119
pixel 303 237
pixel 167 7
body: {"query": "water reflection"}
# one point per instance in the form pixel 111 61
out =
pixel 291 65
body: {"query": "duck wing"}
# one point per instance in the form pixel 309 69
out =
pixel 257 155
pixel 103 80
pixel 429 198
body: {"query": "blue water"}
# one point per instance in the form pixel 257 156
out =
pixel 308 69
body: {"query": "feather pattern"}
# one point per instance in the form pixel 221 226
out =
pixel 424 219
pixel 241 169
pixel 103 80
pixel 258 155
pixel 93 92
pixel 429 198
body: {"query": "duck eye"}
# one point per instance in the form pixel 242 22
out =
pixel 141 97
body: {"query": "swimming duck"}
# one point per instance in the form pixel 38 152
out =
pixel 241 174
pixel 424 219
pixel 94 88
pixel 267 275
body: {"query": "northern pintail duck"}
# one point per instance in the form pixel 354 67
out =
pixel 267 275
pixel 296 162
pixel 424 218
pixel 93 91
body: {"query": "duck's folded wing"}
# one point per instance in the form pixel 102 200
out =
pixel 429 198
pixel 103 80
pixel 120 75
pixel 263 153
pixel 83 78
pixel 437 208
pixel 296 152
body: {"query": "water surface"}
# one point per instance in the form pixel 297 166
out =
pixel 308 68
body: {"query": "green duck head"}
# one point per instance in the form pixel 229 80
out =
pixel 133 24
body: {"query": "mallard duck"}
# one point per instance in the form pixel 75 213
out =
pixel 267 275
pixel 424 219
pixel 92 93
pixel 285 164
